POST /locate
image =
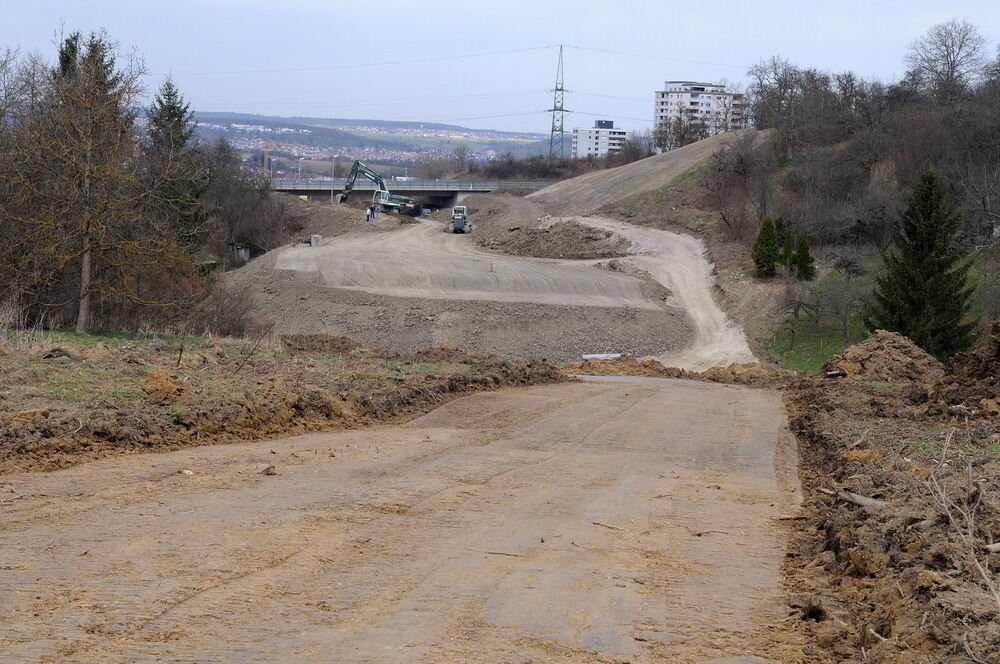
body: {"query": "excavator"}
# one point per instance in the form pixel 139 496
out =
pixel 382 198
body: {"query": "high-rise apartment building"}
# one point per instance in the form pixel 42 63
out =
pixel 704 104
pixel 599 140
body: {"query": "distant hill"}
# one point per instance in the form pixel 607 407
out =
pixel 389 141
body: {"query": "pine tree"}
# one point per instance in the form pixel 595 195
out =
pixel 174 175
pixel 802 262
pixel 788 249
pixel 766 250
pixel 923 291
pixel 171 123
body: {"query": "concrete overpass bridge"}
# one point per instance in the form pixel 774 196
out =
pixel 435 193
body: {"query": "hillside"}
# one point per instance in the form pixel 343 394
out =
pixel 394 141
pixel 589 192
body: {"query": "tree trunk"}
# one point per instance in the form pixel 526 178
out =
pixel 83 313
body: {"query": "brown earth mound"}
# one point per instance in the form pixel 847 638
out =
pixel 972 385
pixel 162 386
pixel 737 374
pixel 887 357
pixel 626 365
pixel 132 403
pixel 563 239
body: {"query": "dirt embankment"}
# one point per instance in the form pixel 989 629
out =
pixel 301 302
pixel 754 375
pixel 515 226
pixel 897 556
pixel 591 192
pixel 64 404
pixel 898 560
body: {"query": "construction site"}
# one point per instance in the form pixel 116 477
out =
pixel 417 463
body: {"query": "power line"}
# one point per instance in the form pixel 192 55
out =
pixel 658 57
pixel 352 65
pixel 376 102
pixel 611 115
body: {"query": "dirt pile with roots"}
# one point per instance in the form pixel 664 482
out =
pixel 971 387
pixel 888 357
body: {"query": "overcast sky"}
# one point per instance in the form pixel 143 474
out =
pixel 479 64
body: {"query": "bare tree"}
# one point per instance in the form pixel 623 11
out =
pixel 461 156
pixel 948 59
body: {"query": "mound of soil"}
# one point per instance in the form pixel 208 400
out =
pixel 887 357
pixel 515 226
pixel 736 374
pixel 563 239
pixel 135 404
pixel 972 385
pixel 626 365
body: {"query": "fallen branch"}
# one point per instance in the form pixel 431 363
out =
pixel 857 499
pixel 993 548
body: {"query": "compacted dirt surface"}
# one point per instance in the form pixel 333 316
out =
pixel 629 520
pixel 420 260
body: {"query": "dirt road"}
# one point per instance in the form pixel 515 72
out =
pixel 678 262
pixel 628 520
pixel 422 261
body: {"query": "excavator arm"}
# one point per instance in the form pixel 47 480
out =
pixel 357 169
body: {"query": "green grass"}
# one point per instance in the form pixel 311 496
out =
pixel 66 337
pixel 812 347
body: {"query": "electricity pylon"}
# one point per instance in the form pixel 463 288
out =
pixel 558 110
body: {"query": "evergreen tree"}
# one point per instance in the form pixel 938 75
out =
pixel 924 291
pixel 171 123
pixel 175 176
pixel 788 250
pixel 802 262
pixel 766 250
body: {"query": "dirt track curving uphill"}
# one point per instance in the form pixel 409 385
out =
pixel 678 263
pixel 627 520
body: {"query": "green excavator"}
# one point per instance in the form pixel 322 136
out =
pixel 382 198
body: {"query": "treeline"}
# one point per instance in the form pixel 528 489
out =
pixel 112 216
pixel 841 153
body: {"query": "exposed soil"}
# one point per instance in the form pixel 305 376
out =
pixel 514 226
pixel 890 560
pixel 59 408
pixel 735 374
pixel 576 523
pixel 972 386
pixel 890 563
pixel 482 302
pixel 885 356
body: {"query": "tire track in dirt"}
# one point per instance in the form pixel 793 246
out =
pixel 589 522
